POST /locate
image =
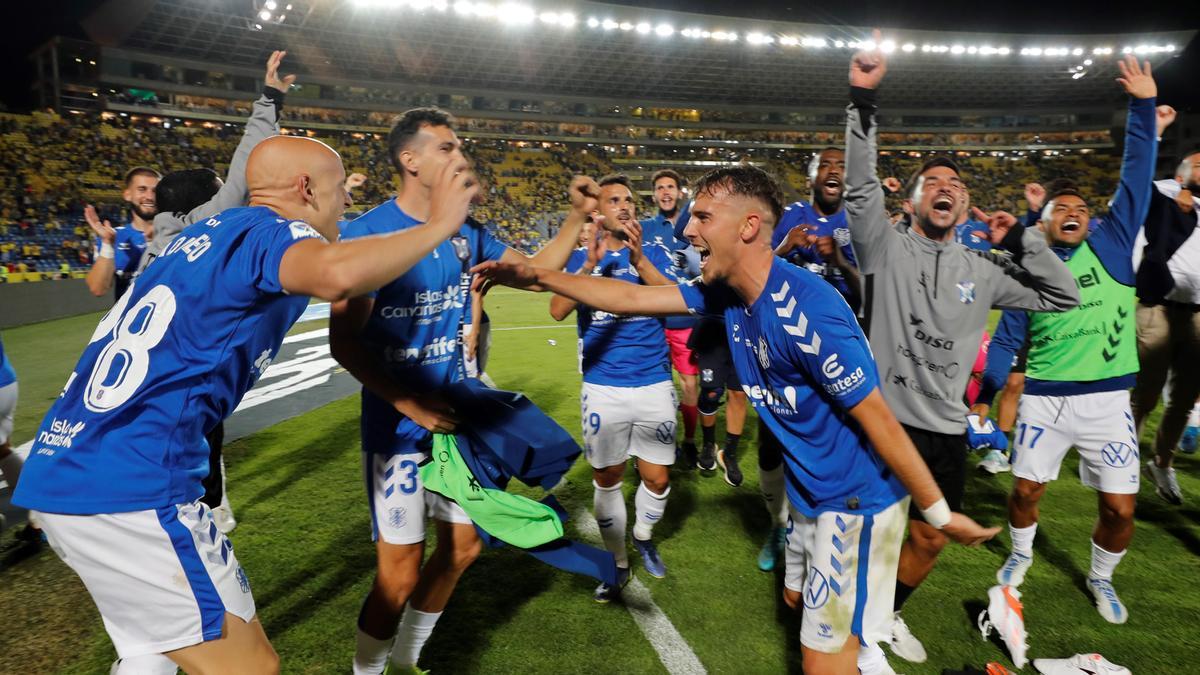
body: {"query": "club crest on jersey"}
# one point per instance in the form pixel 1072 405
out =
pixel 764 358
pixel 242 580
pixel 462 249
pixel 966 292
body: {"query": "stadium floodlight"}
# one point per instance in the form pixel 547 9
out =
pixel 593 22
pixel 957 49
pixel 566 19
pixel 789 40
pixel 759 39
pixel 887 46
pixel 1170 48
pixel 664 30
pixel 1087 62
pixel 839 44
pixel 270 4
pixel 926 48
pixel 909 47
pixel 485 10
pixel 1078 51
pixel 815 42
pixel 464 8
pixel 643 28
pixel 705 34
pixel 625 25
pixel 1004 51
pixel 264 15
pixel 609 24
pixel 515 13
pixel 1127 50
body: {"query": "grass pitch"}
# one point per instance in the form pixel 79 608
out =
pixel 304 539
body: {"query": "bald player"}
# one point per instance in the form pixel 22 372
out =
pixel 192 334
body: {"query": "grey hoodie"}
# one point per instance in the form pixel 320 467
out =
pixel 929 300
pixel 262 124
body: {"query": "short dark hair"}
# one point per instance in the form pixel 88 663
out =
pixel 680 181
pixel 182 191
pixel 617 179
pixel 931 163
pixel 745 180
pixel 407 127
pixel 140 171
pixel 1060 187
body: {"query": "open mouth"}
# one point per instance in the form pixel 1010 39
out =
pixel 832 185
pixel 704 254
pixel 1071 226
pixel 943 205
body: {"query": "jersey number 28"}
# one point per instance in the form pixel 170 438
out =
pixel 125 361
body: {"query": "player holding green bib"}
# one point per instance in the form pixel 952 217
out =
pixel 1082 362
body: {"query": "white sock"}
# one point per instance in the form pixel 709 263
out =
pixel 648 509
pixel 609 505
pixel 415 628
pixel 370 655
pixel 871 660
pixel 774 492
pixel 1104 563
pixel 1022 539
pixel 1194 416
pixel 146 664
pixel 10 468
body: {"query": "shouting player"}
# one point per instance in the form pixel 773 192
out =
pixel 627 400
pixel 115 469
pixel 928 309
pixel 1082 363
pixel 801 356
pixel 404 343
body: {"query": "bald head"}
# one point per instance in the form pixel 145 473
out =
pixel 301 179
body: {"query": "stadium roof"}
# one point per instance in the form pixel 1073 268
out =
pixel 624 53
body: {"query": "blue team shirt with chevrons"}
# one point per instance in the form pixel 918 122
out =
pixel 804 363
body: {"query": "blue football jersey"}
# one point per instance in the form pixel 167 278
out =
pixel 803 213
pixel 128 248
pixel 623 351
pixel 413 327
pixel 659 231
pixel 973 234
pixel 7 374
pixel 804 362
pixel 172 358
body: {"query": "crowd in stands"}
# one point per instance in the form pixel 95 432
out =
pixel 53 166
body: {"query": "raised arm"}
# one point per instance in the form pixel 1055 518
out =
pixel 609 295
pixel 584 194
pixel 1132 200
pixel 100 277
pixel 262 124
pixel 351 268
pixel 866 217
pixel 1032 276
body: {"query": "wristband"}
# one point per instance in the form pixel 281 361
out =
pixel 107 251
pixel 937 515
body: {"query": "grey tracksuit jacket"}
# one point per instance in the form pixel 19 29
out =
pixel 262 124
pixel 929 300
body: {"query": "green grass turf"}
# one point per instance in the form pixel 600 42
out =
pixel 304 541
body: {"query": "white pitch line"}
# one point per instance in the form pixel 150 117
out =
pixel 674 652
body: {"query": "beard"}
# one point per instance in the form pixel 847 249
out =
pixel 143 213
pixel 827 206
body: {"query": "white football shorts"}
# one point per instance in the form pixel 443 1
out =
pixel 163 579
pixel 1099 425
pixel 622 421
pixel 400 503
pixel 844 567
